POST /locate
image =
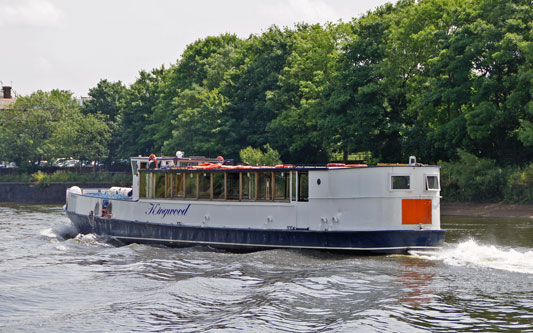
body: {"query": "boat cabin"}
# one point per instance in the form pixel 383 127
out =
pixel 211 179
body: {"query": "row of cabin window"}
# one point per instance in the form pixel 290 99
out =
pixel 404 183
pixel 225 185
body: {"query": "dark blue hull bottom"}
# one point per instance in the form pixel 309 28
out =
pixel 370 242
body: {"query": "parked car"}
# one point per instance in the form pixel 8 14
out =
pixel 66 163
pixel 71 163
pixel 8 165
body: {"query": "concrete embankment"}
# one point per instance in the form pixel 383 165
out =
pixel 495 210
pixel 49 194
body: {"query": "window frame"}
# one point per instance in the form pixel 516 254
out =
pixel 399 175
pixel 426 183
pixel 250 176
pixel 303 186
pixel 285 175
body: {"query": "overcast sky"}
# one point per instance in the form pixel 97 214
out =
pixel 72 44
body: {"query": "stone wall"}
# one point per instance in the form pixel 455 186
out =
pixel 50 194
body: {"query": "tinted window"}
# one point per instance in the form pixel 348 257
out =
pixel 232 186
pixel 218 185
pixel 281 181
pixel 303 186
pixel 248 185
pixel 293 185
pixel 400 182
pixel 432 183
pixel 142 186
pixel 264 186
pixel 190 185
pixel 168 185
pixel 204 185
pixel 178 185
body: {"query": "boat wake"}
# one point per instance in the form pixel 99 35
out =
pixel 93 240
pixel 63 233
pixel 472 254
pixel 60 232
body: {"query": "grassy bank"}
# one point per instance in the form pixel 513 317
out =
pixel 41 178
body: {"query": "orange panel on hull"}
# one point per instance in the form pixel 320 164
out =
pixel 416 211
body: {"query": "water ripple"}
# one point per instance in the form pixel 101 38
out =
pixel 54 280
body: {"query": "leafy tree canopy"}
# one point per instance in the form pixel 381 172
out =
pixel 255 156
pixel 49 125
pixel 428 78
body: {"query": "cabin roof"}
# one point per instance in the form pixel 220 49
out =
pixel 220 165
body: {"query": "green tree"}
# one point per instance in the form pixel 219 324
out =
pixel 140 100
pixel 300 128
pixel 258 64
pixel 524 95
pixel 197 117
pixel 425 78
pixel 108 99
pixel 471 178
pixel 360 112
pixel 28 124
pixel 84 137
pixel 203 64
pixel 255 156
pixel 48 125
pixel 498 101
pixel 471 94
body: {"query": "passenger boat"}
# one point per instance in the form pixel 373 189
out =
pixel 180 201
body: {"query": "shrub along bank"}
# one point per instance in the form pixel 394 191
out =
pixel 474 179
pixel 43 179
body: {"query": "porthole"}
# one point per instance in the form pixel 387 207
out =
pixel 318 181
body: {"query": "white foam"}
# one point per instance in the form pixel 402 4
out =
pixel 61 248
pixel 48 233
pixel 90 240
pixel 471 253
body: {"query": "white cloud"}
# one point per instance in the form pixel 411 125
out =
pixel 312 10
pixel 66 44
pixel 309 11
pixel 29 13
pixel 43 65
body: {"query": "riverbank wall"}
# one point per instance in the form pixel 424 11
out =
pixel 54 193
pixel 490 210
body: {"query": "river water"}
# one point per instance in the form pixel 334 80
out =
pixel 53 280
